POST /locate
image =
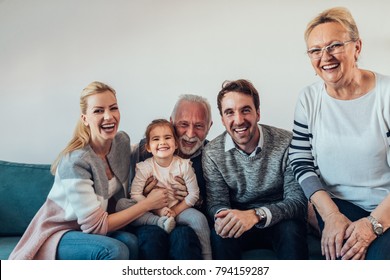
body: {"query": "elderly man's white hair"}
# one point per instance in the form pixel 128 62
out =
pixel 195 99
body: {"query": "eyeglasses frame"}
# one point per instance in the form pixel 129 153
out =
pixel 327 49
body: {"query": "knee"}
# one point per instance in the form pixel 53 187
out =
pixel 115 250
pixel 131 241
pixel 183 232
pixel 153 243
pixel 218 241
pixel 294 226
pixel 185 244
pixel 150 231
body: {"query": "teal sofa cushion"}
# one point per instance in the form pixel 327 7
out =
pixel 7 244
pixel 23 190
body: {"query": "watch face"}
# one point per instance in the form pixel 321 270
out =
pixel 377 227
pixel 260 213
pixel 378 230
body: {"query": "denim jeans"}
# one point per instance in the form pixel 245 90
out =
pixel 155 244
pixel 117 245
pixel 380 247
pixel 288 239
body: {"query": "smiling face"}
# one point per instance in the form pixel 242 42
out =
pixel 102 117
pixel 162 144
pixel 192 125
pixel 338 69
pixel 240 118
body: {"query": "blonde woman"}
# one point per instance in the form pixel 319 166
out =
pixel 91 174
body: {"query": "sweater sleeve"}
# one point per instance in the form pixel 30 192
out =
pixel 217 190
pixel 191 184
pixel 81 197
pixel 142 173
pixel 301 152
pixel 294 202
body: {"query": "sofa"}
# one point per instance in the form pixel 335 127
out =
pixel 24 188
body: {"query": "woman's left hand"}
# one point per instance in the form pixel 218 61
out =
pixel 359 235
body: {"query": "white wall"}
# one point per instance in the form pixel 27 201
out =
pixel 151 52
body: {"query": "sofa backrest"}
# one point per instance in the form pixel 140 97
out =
pixel 23 190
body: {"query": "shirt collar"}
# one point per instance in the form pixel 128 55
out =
pixel 229 143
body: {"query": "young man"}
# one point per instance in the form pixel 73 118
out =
pixel 251 191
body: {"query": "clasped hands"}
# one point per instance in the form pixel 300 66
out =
pixel 344 239
pixel 233 223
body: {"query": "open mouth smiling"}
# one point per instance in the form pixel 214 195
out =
pixel 240 130
pixel 330 66
pixel 189 143
pixel 108 126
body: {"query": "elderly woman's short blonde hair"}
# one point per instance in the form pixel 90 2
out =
pixel 338 14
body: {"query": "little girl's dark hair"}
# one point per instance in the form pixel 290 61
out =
pixel 156 123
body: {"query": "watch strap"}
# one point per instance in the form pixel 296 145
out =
pixel 376 226
pixel 263 217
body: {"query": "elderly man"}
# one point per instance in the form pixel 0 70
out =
pixel 251 191
pixel 192 119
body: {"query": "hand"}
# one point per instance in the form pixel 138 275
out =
pixel 333 235
pixel 233 223
pixel 165 211
pixel 171 213
pixel 157 198
pixel 199 202
pixel 359 236
pixel 150 184
pixel 180 190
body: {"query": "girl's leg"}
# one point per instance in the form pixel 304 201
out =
pixel 198 222
pixel 164 222
pixel 167 224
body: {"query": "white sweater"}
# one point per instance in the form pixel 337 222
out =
pixel 342 146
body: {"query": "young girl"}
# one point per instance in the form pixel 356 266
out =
pixel 161 141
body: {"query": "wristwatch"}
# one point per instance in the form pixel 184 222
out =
pixel 262 215
pixel 376 226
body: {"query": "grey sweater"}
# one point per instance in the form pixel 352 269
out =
pixel 236 181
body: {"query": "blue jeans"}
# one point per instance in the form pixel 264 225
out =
pixel 380 247
pixel 288 239
pixel 117 245
pixel 155 244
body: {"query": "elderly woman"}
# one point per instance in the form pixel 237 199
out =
pixel 340 151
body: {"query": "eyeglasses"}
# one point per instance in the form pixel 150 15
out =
pixel 334 48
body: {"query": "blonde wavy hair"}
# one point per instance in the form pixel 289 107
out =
pixel 82 133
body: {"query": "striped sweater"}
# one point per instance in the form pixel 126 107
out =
pixel 237 181
pixel 78 199
pixel 343 146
